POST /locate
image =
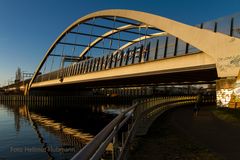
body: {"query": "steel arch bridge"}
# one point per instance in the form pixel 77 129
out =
pixel 111 38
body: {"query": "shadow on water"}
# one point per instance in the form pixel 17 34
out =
pixel 51 132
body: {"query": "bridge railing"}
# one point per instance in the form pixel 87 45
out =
pixel 106 62
pixel 119 133
pixel 87 66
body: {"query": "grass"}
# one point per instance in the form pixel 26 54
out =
pixel 228 115
pixel 173 145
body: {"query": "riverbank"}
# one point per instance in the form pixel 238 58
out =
pixel 231 116
pixel 181 134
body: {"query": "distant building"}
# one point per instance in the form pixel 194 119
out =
pixel 18 76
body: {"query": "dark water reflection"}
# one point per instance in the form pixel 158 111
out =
pixel 47 132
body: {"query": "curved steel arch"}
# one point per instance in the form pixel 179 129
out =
pixel 140 39
pixel 214 44
pixel 109 33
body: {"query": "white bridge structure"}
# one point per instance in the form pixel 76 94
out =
pixel 126 47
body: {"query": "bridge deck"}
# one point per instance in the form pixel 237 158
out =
pixel 134 73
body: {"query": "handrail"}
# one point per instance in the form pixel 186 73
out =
pixel 138 111
pixel 86 152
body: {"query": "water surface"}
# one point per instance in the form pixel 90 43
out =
pixel 50 132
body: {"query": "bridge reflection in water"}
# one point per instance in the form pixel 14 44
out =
pixel 45 132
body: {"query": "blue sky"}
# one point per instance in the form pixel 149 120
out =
pixel 28 28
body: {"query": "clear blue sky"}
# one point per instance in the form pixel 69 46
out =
pixel 28 28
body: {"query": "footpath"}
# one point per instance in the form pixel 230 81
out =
pixel 181 134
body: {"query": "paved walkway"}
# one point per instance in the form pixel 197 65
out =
pixel 180 134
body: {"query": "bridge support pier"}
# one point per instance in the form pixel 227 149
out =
pixel 228 92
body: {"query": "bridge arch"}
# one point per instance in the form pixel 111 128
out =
pixel 140 39
pixel 109 33
pixel 219 46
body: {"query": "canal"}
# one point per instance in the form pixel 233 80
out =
pixel 51 132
